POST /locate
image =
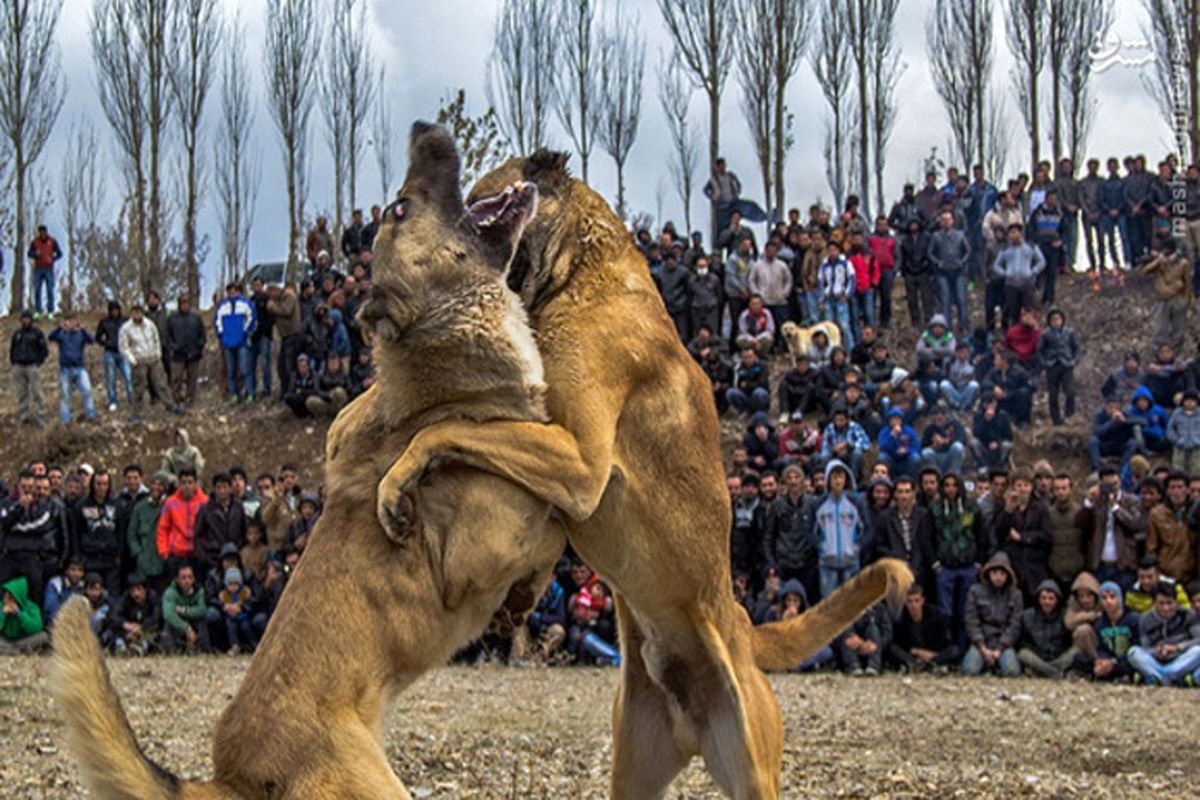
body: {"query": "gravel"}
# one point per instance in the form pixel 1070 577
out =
pixel 494 732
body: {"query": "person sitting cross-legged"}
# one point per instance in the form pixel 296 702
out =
pixel 921 637
pixel 1167 653
pixel 1046 643
pixel 993 620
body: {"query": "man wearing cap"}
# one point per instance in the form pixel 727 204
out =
pixel 27 353
pixel 135 621
pixel 185 348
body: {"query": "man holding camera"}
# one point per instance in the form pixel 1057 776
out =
pixel 1111 520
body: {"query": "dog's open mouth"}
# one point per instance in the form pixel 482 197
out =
pixel 513 207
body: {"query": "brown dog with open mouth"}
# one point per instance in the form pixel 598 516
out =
pixel 632 458
pixel 366 613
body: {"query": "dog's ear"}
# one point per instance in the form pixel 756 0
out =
pixel 548 169
pixel 433 169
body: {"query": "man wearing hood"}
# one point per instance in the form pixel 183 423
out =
pixel 899 445
pixel 182 455
pixel 1023 532
pixel 793 601
pixel 1058 352
pixel 21 629
pixel 959 544
pixel 761 442
pixel 1172 534
pixel 1167 652
pixel 1046 643
pixel 1066 534
pixel 840 525
pixel 993 620
pixel 108 334
pixel 1083 609
pixel 936 343
pixel 1149 422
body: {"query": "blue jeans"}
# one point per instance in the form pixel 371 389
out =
pixel 909 465
pixel 952 291
pixel 1109 228
pixel 949 460
pixel 810 302
pixel 833 577
pixel 1168 674
pixel 952 587
pixel 1010 665
pixel 262 361
pixel 838 311
pixel 757 400
pixel 114 365
pixel 239 361
pixel 960 399
pixel 74 378
pixel 43 277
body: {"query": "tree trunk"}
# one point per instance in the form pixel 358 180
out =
pixel 189 227
pixel 1035 128
pixel 714 102
pixel 583 126
pixel 17 297
pixel 1193 43
pixel 1056 108
pixel 864 167
pixel 293 220
pixel 621 190
pixel 780 116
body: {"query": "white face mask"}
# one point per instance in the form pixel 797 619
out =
pixel 702 271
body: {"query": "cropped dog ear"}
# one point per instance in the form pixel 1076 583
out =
pixel 548 169
pixel 433 169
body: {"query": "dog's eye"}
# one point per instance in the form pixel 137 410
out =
pixel 397 210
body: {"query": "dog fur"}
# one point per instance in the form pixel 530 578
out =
pixel 366 613
pixel 632 459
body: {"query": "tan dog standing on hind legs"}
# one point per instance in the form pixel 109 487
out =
pixel 365 613
pixel 632 458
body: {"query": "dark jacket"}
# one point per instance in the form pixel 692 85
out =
pixel 1153 630
pixel 185 337
pixel 1058 348
pixel 704 291
pixel 35 529
pixel 28 348
pixel 912 255
pixel 108 332
pixel 1115 638
pixel 1046 636
pixel 931 633
pixel 217 526
pixel 787 541
pixel 148 615
pixel 97 530
pixel 997 429
pixel 70 346
pixel 1030 556
pixel 917 549
pixel 958 533
pixel 745 540
pixel 673 286
pixel 993 616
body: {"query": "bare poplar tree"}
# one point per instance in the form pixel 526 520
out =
pixel 1060 16
pixel 293 34
pixel 700 30
pixel 831 65
pixel 958 39
pixel 1174 35
pixel 195 28
pixel 237 162
pixel 858 37
pixel 792 28
pixel 152 23
pixel 755 54
pixel 675 96
pixel 32 90
pixel 1026 30
pixel 622 66
pixel 579 87
pixel 334 108
pixel 382 135
pixel 997 136
pixel 83 196
pixel 1089 20
pixel 352 51
pixel 522 71
pixel 885 72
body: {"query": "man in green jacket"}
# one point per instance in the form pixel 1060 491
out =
pixel 183 613
pixel 21 629
pixel 142 536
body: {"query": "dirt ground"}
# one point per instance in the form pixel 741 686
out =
pixel 496 732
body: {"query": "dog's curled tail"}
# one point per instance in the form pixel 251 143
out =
pixel 98 732
pixel 786 645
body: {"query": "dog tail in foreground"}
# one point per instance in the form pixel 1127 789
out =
pixel 786 645
pixel 98 734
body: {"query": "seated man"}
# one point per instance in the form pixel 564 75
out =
pixel 799 444
pixel 750 391
pixel 302 385
pixel 60 588
pixel 791 601
pixel 921 637
pixel 756 327
pixel 1112 434
pixel 333 389
pixel 899 445
pixel 993 441
pixel 1011 385
pixel 802 389
pixel 1149 422
pixel 1116 631
pixel 1139 596
pixel 862 646
pixel 761 443
pixel 993 620
pixel 1083 609
pixel 135 623
pixel 1045 641
pixel 943 444
pixel 859 407
pixel 21 625
pixel 1166 653
pixel 960 389
pixel 845 441
pixel 546 627
pixel 720 374
pixel 183 613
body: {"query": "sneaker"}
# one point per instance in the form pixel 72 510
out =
pixel 232 400
pixel 1189 681
pixel 112 407
pixel 249 400
pixel 870 672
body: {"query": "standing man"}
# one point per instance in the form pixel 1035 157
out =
pixel 260 341
pixel 284 309
pixel 319 240
pixel 353 238
pixel 141 350
pixel 771 278
pixel 1069 200
pixel 1046 226
pixel 108 333
pixel 704 298
pixel 43 252
pixel 1091 192
pixel 235 321
pixel 72 372
pixel 950 253
pixel 1113 211
pixel 737 285
pixel 30 533
pixel 1018 266
pixel 723 189
pixel 983 198
pixel 185 347
pixel 27 353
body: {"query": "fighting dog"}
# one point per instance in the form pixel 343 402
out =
pixel 366 613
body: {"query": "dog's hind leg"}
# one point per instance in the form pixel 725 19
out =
pixel 646 754
pixel 356 768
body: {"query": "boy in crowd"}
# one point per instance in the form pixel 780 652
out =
pixel 1167 653
pixel 993 620
pixel 862 646
pixel 1183 432
pixel 1116 632
pixel 135 622
pixel 1058 352
pixel 840 525
pixel 1046 643
pixel 21 629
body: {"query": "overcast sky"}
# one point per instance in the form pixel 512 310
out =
pixel 433 47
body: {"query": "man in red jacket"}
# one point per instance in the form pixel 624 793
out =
pixel 883 247
pixel 1022 338
pixel 43 252
pixel 176 540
